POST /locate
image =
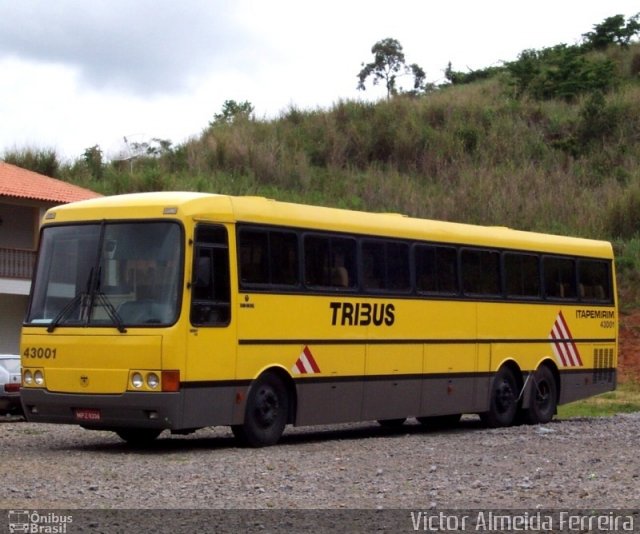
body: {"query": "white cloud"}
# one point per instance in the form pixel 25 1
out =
pixel 146 46
pixel 77 73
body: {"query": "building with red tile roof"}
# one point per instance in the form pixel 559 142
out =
pixel 20 183
pixel 24 198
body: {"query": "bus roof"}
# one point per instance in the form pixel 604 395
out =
pixel 260 210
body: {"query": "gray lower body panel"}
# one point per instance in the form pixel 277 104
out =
pixel 128 410
pixel 575 385
pixel 322 401
pixel 189 408
pixel 341 401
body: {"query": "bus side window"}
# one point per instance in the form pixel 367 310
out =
pixel 522 275
pixel 559 277
pixel 594 281
pixel 254 257
pixel 480 272
pixel 385 266
pixel 373 265
pixel 330 262
pixel 268 257
pixel 210 289
pixel 436 269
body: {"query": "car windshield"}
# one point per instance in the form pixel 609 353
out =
pixel 107 274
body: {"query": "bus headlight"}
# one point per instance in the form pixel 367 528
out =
pixel 153 381
pixel 38 378
pixel 137 380
pixel 28 378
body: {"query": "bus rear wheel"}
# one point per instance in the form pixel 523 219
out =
pixel 503 404
pixel 266 412
pixel 544 397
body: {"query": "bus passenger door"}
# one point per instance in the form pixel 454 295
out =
pixel 211 344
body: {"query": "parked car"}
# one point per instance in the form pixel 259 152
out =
pixel 10 384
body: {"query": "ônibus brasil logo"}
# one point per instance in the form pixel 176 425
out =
pixel 34 522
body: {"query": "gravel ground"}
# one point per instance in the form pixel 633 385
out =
pixel 578 463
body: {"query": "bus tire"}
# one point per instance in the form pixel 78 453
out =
pixel 266 412
pixel 544 397
pixel 503 405
pixel 138 437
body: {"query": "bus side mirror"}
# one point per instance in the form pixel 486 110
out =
pixel 202 278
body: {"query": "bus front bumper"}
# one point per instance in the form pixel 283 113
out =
pixel 104 412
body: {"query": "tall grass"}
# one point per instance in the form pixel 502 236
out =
pixel 625 399
pixel 467 153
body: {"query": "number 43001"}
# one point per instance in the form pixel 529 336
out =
pixel 39 352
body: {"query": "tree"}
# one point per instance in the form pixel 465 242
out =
pixel 387 65
pixel 612 30
pixel 419 77
pixel 231 111
pixel 93 159
pixel 155 148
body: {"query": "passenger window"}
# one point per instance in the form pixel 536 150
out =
pixel 373 265
pixel 480 272
pixel 284 258
pixel 210 286
pixel 385 266
pixel 594 281
pixel 436 269
pixel 522 275
pixel 559 277
pixel 268 257
pixel 254 257
pixel 398 272
pixel 330 262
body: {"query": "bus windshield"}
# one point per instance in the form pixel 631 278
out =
pixel 107 274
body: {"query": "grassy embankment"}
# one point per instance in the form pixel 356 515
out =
pixel 625 399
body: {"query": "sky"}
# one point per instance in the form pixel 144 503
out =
pixel 80 73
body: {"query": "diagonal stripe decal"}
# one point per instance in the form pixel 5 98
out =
pixel 564 347
pixel 305 364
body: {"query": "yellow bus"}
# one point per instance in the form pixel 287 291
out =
pixel 177 311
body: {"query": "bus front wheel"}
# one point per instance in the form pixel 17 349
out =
pixel 503 404
pixel 266 412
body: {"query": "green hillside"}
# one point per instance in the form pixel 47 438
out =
pixel 550 142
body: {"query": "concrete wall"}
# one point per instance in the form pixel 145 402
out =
pixel 12 312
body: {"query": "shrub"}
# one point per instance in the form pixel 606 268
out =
pixel 624 215
pixel 43 161
pixel 561 72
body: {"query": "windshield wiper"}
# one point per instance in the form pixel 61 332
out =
pixel 104 301
pixel 80 298
pixel 87 300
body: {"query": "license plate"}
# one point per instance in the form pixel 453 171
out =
pixel 87 414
